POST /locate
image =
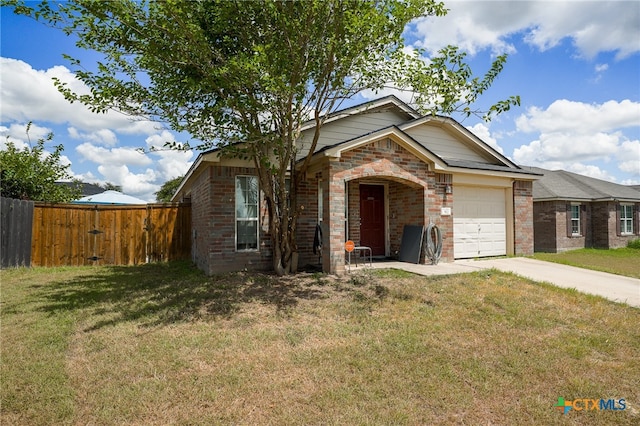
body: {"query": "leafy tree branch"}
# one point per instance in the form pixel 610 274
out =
pixel 243 76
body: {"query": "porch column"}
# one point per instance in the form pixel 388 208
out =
pixel 334 202
pixel 523 217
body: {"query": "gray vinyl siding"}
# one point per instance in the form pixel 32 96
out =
pixel 444 145
pixel 350 127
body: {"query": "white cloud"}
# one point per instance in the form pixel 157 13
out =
pixel 406 96
pixel 116 165
pixel 17 133
pixel 482 131
pixel 102 136
pixel 469 27
pixel 477 25
pixel 566 146
pixel 172 163
pixel 137 184
pixel 589 170
pixel 571 134
pixel 159 140
pixel 599 70
pixel 629 157
pixel 564 116
pixel 113 156
pixel 30 95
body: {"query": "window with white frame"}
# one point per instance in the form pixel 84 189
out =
pixel 247 211
pixel 575 219
pixel 626 219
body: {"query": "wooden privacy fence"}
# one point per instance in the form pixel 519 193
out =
pixel 75 234
pixel 15 228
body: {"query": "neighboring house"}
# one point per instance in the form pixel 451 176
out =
pixel 111 198
pixel 377 167
pixel 85 188
pixel 572 211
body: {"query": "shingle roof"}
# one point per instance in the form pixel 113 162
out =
pixel 483 166
pixel 85 188
pixel 563 185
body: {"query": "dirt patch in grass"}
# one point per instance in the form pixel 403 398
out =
pixel 163 344
pixel 622 261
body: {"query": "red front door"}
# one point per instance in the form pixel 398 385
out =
pixel 372 218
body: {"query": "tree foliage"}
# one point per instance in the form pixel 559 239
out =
pixel 31 173
pixel 168 189
pixel 109 186
pixel 244 75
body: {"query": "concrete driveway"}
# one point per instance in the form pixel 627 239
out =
pixel 613 287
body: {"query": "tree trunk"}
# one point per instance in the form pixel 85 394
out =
pixel 280 236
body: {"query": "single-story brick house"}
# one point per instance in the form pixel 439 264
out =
pixel 572 211
pixel 377 167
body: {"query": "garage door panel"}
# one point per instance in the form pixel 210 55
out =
pixel 479 222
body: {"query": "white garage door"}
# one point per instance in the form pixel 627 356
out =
pixel 479 222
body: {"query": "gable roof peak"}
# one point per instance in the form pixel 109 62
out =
pixel 389 101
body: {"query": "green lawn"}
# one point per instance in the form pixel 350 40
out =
pixel 622 261
pixel 163 344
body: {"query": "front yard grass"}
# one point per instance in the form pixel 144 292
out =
pixel 164 344
pixel 622 261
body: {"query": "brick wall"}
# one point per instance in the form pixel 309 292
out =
pixel 605 226
pixel 307 219
pixel 544 226
pixel 200 218
pixel 213 218
pixel 523 217
pixel 551 227
pixel 353 221
pixel 413 195
pixel 436 199
pixel 600 216
pixel 406 207
pixel 598 222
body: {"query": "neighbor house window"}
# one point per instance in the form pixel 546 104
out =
pixel 247 213
pixel 575 219
pixel 626 219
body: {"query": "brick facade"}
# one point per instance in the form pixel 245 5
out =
pixel 522 218
pixel 414 195
pixel 544 226
pixel 606 227
pixel 599 226
pixel 213 224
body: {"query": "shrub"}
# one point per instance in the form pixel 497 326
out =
pixel 634 244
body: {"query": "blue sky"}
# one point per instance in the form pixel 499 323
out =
pixel 575 65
